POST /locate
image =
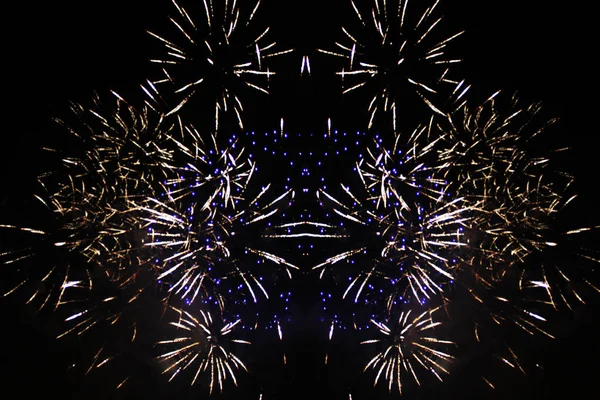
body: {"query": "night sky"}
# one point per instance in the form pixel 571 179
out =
pixel 56 52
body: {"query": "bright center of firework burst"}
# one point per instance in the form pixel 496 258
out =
pixel 203 341
pixel 219 64
pixel 395 69
pixel 406 340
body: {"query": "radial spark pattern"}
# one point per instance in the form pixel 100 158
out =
pixel 203 345
pixel 409 344
pixel 417 225
pixel 396 52
pixel 214 56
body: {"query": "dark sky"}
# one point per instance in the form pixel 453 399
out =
pixel 55 52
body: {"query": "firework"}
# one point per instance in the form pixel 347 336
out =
pixel 145 207
pixel 87 260
pixel 394 53
pixel 462 214
pixel 491 155
pixel 409 343
pixel 509 276
pixel 118 153
pixel 457 219
pixel 214 57
pixel 199 225
pixel 417 225
pixel 202 345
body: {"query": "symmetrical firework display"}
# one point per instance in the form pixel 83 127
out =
pixel 168 228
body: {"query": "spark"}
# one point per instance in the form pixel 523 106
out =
pixel 305 66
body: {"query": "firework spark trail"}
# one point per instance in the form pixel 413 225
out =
pixel 321 230
pixel 203 345
pixel 408 344
pixel 215 57
pixel 392 53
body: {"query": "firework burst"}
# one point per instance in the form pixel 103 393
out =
pixel 214 58
pixel 409 343
pixel 196 226
pixel 461 213
pixel 118 153
pixel 417 225
pixel 146 208
pixel 395 54
pixel 491 157
pixel 202 343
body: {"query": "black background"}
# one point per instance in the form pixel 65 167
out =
pixel 54 52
